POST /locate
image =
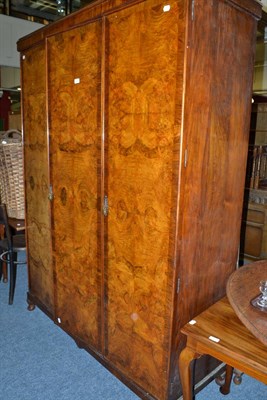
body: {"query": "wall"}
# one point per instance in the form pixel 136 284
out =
pixel 9 77
pixel 260 71
pixel 11 29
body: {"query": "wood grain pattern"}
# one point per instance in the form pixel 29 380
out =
pixel 218 96
pixel 143 138
pixel 97 9
pixel 159 123
pixel 216 143
pixel 242 287
pixel 37 177
pixel 235 344
pixel 75 155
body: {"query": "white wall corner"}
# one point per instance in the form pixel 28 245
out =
pixel 11 30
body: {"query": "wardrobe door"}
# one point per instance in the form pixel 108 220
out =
pixel 41 288
pixel 143 83
pixel 74 124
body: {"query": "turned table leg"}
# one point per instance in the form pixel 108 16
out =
pixel 187 355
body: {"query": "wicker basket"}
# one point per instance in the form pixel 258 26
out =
pixel 11 173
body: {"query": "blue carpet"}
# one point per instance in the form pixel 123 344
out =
pixel 39 361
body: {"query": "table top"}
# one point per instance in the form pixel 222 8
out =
pixel 219 330
pixel 242 287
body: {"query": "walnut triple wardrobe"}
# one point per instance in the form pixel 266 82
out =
pixel 135 127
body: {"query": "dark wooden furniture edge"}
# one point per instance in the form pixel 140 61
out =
pixel 17 224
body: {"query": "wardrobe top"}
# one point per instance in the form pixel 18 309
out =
pixel 100 8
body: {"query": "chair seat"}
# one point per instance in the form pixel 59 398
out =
pixel 19 243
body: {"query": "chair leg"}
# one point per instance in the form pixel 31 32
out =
pixel 13 276
pixel 1 269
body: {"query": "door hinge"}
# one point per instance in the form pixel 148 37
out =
pixel 105 206
pixel 178 286
pixel 50 194
pixel 193 10
pixel 185 158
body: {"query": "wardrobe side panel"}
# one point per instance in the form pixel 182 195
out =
pixel 220 54
pixel 144 91
pixel 38 229
pixel 74 63
pixel 217 116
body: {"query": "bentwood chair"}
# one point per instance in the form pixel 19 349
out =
pixel 10 246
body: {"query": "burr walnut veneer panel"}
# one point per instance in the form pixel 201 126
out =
pixel 74 93
pixel 143 82
pixel 140 122
pixel 37 178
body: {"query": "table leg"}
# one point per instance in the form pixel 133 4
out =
pixel 225 388
pixel 187 355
